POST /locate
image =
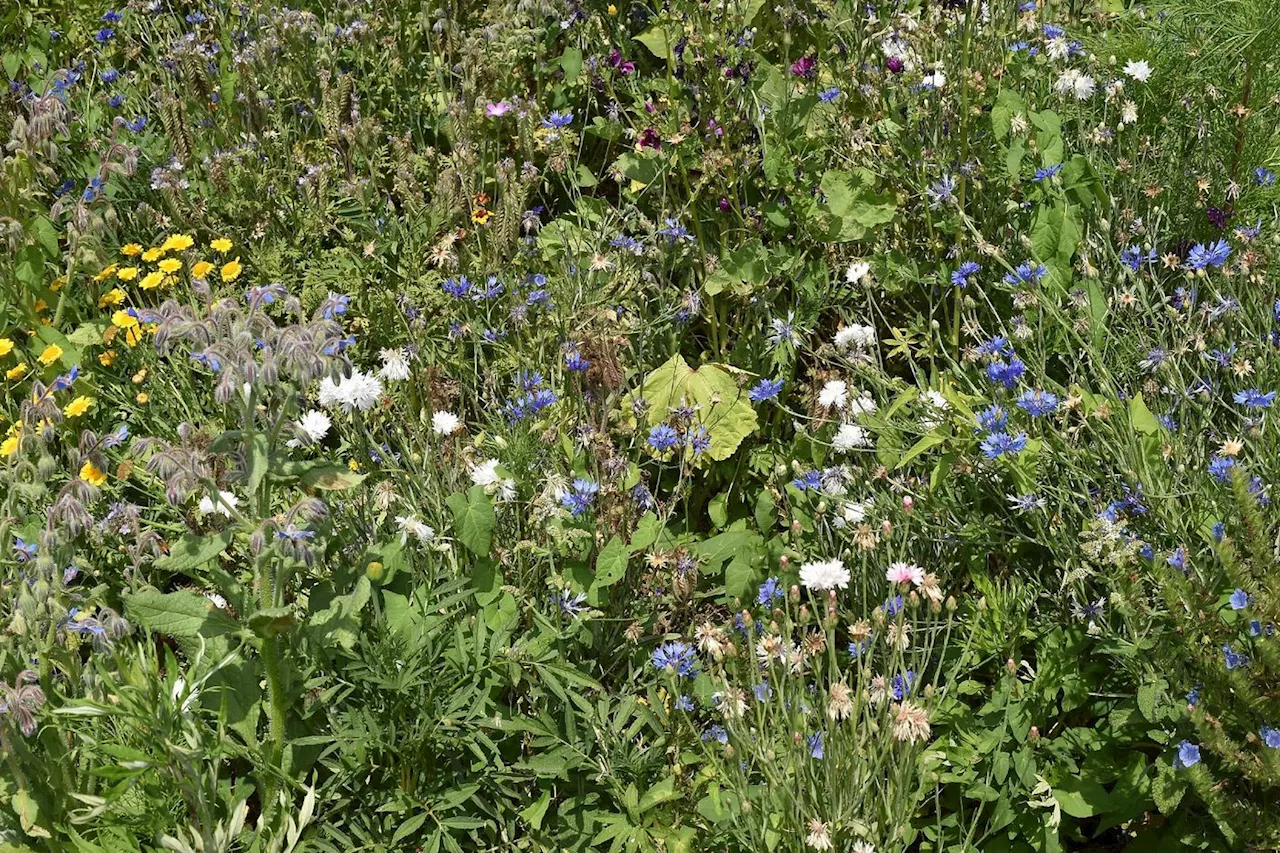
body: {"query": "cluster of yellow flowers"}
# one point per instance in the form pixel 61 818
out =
pixel 167 266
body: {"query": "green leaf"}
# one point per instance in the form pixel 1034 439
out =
pixel 409 827
pixel 723 408
pixel 1142 418
pixel 571 63
pixel 534 812
pixel 271 620
pixel 1013 159
pixel 663 792
pixel 12 62
pixel 28 812
pixel 933 439
pixel 402 614
pixel 193 551
pixel 330 478
pixel 646 533
pixel 339 623
pixel 1008 104
pixel 611 564
pixel 47 236
pixel 473 519
pixel 853 206
pixel 258 465
pixel 1081 797
pixel 1054 236
pixel 657 41
pixel 184 615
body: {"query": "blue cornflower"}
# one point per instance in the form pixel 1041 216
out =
pixel 138 125
pixel 1252 398
pixel 684 703
pixel 104 35
pixel 492 289
pixel 771 591
pixel 116 101
pixel 992 419
pixel 762 691
pixel 893 606
pixel 902 684
pixel 663 438
pixel 1239 599
pixel 24 551
pixel 1232 659
pixel 1147 552
pixel 1270 736
pixel 1178 559
pixel 110 76
pixel 997 347
pixel 1263 177
pixel 558 120
pixel 579 499
pixel 1219 531
pixel 808 480
pixel 677 658
pixel 111 16
pixel 829 95
pixel 1038 403
pixel 1047 172
pixel 999 443
pixel 457 287
pixel 674 231
pixel 1220 468
pixel 765 389
pixel 699 440
pixel 715 733
pixel 1133 257
pixel 576 361
pixel 570 603
pixel 1193 695
pixel 815 746
pixel 1053 31
pixel 1188 755
pixel 963 275
pixel 1025 273
pixel 941 192
pixel 1006 374
pixel 1201 256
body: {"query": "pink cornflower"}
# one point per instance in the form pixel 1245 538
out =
pixel 905 573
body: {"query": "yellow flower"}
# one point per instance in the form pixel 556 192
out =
pixel 170 265
pixel 108 358
pixel 201 269
pixel 41 306
pixel 613 10
pixel 153 255
pixel 142 397
pixel 151 280
pixel 106 273
pixel 222 244
pixel 178 243
pixel 231 271
pixel 124 320
pixel 92 474
pixel 127 273
pixel 112 297
pixel 16 372
pixel 58 283
pixel 131 249
pixel 78 406
pixel 353 465
pixel 6 346
pixel 51 353
pixel 140 377
pixel 10 445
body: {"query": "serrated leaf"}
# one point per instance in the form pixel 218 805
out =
pixel 611 564
pixel 184 615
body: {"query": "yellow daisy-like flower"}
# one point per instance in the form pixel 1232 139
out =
pixel 131 250
pixel 6 346
pixel 153 255
pixel 231 271
pixel 10 445
pixel 222 244
pixel 129 324
pixel 178 243
pixel 115 296
pixel 78 406
pixel 17 371
pixel 201 269
pixel 51 353
pixel 127 273
pixel 142 397
pixel 92 474
pixel 58 283
pixel 108 358
pixel 170 265
pixel 106 273
pixel 41 306
pixel 151 280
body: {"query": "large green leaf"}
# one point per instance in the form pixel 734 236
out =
pixel 473 519
pixel 187 616
pixel 852 206
pixel 611 564
pixel 193 551
pixel 1055 234
pixel 722 407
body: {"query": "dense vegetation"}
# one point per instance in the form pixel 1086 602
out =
pixel 548 425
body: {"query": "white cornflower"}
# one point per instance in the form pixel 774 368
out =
pixel 486 473
pixel 226 502
pixel 833 395
pixel 936 400
pixel 1057 49
pixel 857 335
pixel 359 391
pixel 862 847
pixel 829 574
pixel 862 404
pixel 1129 113
pixel 410 525
pixel 1138 70
pixel 1083 87
pixel 818 838
pixel 445 423
pixel 911 723
pixel 850 436
pixel 1018 124
pixel 395 364
pixel 935 80
pixel 314 425
pixel 857 271
pixel 852 512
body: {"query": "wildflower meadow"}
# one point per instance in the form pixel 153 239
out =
pixel 647 426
